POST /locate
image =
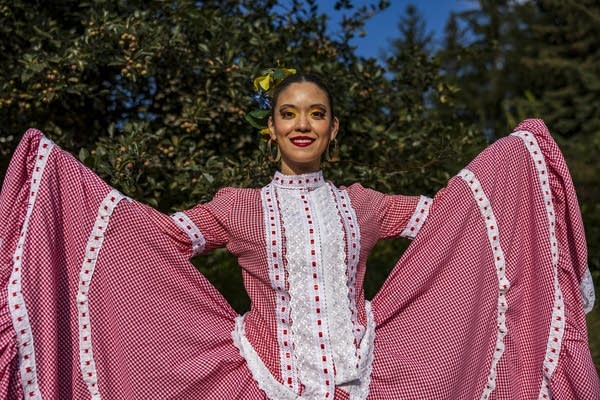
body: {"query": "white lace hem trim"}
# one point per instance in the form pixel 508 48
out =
pixel 503 283
pixel 191 230
pixel 557 323
pixel 16 301
pixel 261 374
pixel 87 364
pixel 418 218
pixel 276 390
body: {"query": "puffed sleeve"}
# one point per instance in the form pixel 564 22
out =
pixel 396 215
pixel 204 227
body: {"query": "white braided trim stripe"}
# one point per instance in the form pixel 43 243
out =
pixel 557 324
pixel 92 249
pixel 187 225
pixel 503 284
pixel 16 301
pixel 418 218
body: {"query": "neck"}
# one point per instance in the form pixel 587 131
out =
pixel 299 169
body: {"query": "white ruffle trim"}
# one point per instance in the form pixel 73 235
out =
pixel 187 225
pixel 418 218
pixel 276 391
pixel 336 275
pixel 277 277
pixel 586 287
pixel 367 353
pixel 351 228
pixel 557 323
pixel 261 374
pixel 16 301
pixel 92 249
pixel 503 283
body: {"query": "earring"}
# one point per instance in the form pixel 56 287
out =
pixel 332 155
pixel 273 158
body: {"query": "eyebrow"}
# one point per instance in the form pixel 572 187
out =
pixel 319 105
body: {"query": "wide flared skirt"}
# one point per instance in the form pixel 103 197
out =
pixel 486 303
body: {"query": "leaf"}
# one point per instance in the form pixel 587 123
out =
pixel 253 122
pixel 260 114
pixel 83 154
pixel 208 177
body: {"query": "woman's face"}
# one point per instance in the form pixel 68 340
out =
pixel 302 125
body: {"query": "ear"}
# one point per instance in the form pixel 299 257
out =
pixel 335 126
pixel 271 127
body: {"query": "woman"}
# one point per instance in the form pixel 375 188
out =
pixel 480 305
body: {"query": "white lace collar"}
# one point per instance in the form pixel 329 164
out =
pixel 308 181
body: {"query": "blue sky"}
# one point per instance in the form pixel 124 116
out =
pixel 384 26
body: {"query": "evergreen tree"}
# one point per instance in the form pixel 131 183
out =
pixel 564 59
pixel 507 61
pixel 478 53
pixel 562 71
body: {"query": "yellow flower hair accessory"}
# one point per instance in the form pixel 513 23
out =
pixel 264 85
pixel 272 75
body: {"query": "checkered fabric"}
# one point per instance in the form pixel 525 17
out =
pixel 442 330
pixel 159 329
pixel 99 299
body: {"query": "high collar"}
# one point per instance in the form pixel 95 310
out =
pixel 308 181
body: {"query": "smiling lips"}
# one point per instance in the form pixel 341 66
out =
pixel 302 141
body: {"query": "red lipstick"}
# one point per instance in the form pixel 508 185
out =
pixel 302 141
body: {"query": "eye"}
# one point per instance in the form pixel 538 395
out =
pixel 318 114
pixel 286 114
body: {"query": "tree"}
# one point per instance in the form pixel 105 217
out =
pixel 152 95
pixel 480 54
pixel 561 62
pixel 507 61
pixel 564 47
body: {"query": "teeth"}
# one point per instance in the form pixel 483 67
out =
pixel 302 141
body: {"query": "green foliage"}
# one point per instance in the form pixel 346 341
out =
pixel 153 96
pixel 562 70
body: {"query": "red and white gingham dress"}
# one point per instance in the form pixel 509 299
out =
pixel 99 299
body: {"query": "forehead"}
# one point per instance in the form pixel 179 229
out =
pixel 299 93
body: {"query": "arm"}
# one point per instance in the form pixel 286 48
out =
pixel 396 215
pixel 204 227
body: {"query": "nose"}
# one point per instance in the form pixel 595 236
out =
pixel 303 123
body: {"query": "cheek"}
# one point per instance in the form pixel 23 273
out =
pixel 282 126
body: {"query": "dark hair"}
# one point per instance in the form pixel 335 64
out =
pixel 299 78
